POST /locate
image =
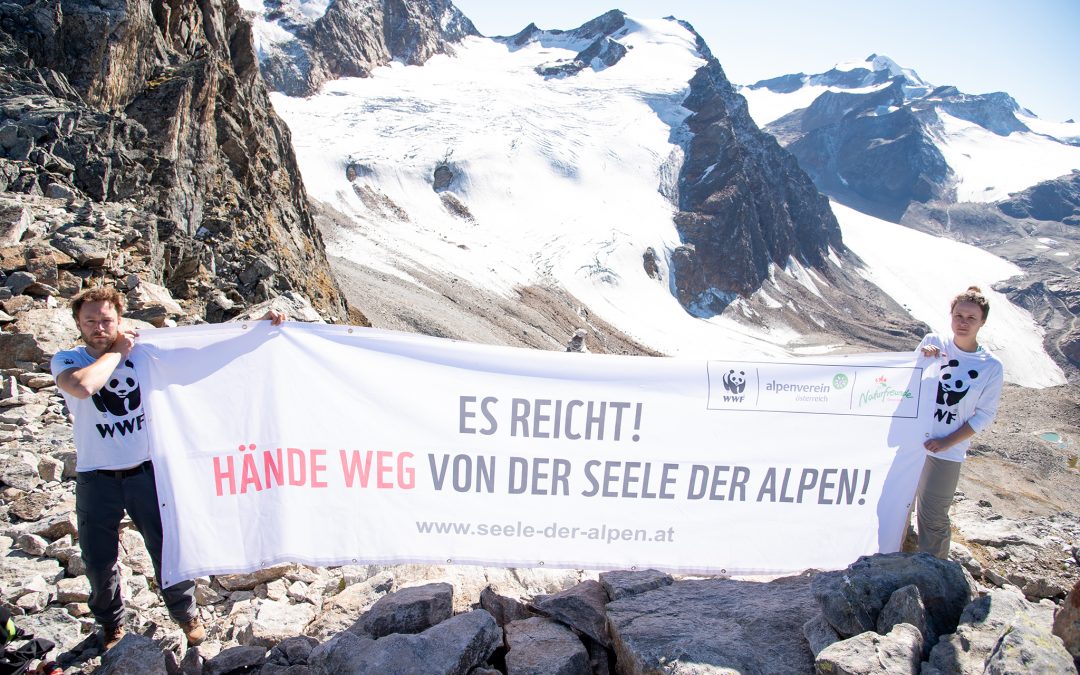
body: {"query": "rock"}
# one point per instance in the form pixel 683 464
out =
pixel 342 610
pixel 31 544
pixel 979 637
pixel 133 655
pixel 55 527
pixel 502 608
pixel 624 583
pixel 15 218
pixel 19 567
pixel 539 646
pixel 276 621
pixel 295 306
pixel 906 606
pixel 1029 648
pixel 871 654
pixel 19 282
pixel 76 589
pixel 235 659
pixel 454 647
pixel 819 633
pixel 18 474
pixel 1067 623
pixel 581 607
pixel 577 342
pixel 152 303
pixel 409 610
pixel 852 599
pixel 30 506
pixel 133 552
pixel 293 651
pixel 246 582
pixel 51 469
pixel 688 626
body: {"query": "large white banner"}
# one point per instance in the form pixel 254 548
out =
pixel 333 445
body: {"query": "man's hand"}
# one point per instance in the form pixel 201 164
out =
pixel 125 341
pixel 275 317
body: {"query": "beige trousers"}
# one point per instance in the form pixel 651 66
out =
pixel 937 486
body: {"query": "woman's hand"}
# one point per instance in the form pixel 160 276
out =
pixel 275 317
pixel 931 350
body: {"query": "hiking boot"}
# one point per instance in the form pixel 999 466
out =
pixel 193 631
pixel 110 635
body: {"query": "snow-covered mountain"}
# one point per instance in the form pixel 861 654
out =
pixel 606 177
pixel 923 142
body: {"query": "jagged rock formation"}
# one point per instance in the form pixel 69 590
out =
pixel 148 127
pixel 603 50
pixel 353 37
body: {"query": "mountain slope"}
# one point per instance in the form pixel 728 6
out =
pixel 517 164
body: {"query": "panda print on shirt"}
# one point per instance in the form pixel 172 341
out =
pixel 953 386
pixel 120 396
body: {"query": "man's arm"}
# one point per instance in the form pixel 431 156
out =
pixel 85 382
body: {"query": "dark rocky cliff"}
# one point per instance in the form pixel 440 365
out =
pixel 744 203
pixel 153 117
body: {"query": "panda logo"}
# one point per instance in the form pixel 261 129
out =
pixel 735 382
pixel 120 396
pixel 952 385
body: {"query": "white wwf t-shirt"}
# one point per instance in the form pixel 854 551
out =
pixel 969 388
pixel 110 428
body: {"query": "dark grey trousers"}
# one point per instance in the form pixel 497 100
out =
pixel 100 502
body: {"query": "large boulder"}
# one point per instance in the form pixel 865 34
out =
pixel 852 599
pixel 539 646
pixel 871 653
pixel 1001 632
pixel 714 626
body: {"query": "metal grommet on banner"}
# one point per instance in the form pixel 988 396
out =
pixel 449 561
pixel 633 568
pixel 244 326
pixel 350 331
pixel 541 563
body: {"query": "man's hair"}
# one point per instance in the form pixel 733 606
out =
pixel 973 295
pixel 107 294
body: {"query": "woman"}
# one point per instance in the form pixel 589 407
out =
pixel 969 387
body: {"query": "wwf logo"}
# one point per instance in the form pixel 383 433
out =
pixel 952 385
pixel 734 382
pixel 120 396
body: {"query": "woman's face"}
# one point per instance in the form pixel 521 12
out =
pixel 967 319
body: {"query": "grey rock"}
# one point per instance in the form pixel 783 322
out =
pixel 504 609
pixel 76 589
pixel 819 634
pixel 343 609
pixel 55 527
pixel 981 632
pixel 18 567
pixel 898 653
pixel 235 659
pixel 1029 648
pixel 581 607
pixel 15 218
pixel 19 281
pixel 624 583
pixel 454 647
pixel 1067 622
pixel 539 646
pixel 409 610
pixel 133 655
pixel 292 651
pixel 18 474
pixel 851 599
pixel 906 606
pixel 32 544
pixel 715 626
pixel 30 506
pixel 275 622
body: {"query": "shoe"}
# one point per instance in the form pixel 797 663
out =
pixel 110 635
pixel 193 631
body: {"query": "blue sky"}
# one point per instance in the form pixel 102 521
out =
pixel 1031 49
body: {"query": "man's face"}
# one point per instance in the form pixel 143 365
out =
pixel 99 325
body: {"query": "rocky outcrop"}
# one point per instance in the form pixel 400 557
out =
pixel 353 37
pixel 744 204
pixel 147 129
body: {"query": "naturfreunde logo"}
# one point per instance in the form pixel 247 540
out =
pixel 839 381
pixel 883 392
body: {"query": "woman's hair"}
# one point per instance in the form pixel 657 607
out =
pixel 107 294
pixel 975 296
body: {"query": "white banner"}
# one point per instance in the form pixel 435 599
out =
pixel 335 445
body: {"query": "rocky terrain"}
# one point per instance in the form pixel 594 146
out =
pixel 153 160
